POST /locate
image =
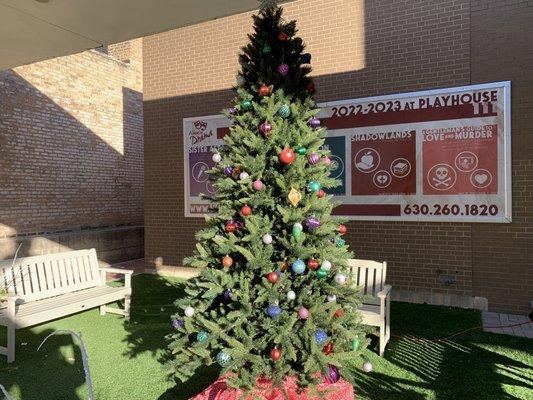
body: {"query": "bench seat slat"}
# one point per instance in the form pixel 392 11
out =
pixel 36 312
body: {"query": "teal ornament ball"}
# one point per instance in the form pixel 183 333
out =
pixel 201 336
pixel 298 267
pixel 246 105
pixel 302 150
pixel 321 273
pixel 266 49
pixel 223 358
pixel 341 242
pixel 356 343
pixel 284 111
pixel 314 186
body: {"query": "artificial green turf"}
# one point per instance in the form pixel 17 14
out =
pixel 125 359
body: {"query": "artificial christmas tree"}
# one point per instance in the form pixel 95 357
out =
pixel 273 299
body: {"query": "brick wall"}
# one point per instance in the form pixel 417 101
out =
pixel 71 146
pixel 361 48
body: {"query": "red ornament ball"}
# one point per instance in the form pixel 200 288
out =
pixel 312 264
pixel 328 349
pixel 272 277
pixel 264 90
pixel 227 261
pixel 342 229
pixel 287 156
pixel 231 227
pixel 246 210
pixel 283 36
pixel 275 354
pixel 338 313
pixel 310 87
pixel 321 193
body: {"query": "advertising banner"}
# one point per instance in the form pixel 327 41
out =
pixel 438 155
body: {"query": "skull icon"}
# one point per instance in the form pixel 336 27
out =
pixel 441 177
pixel 442 173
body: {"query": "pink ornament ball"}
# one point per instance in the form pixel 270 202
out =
pixel 313 158
pixel 283 69
pixel 258 185
pixel 326 160
pixel 266 128
pixel 367 367
pixel 303 313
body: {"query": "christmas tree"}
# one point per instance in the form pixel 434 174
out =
pixel 274 296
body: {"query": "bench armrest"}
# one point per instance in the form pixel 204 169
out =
pixel 385 292
pixel 126 272
pixel 117 270
pixel 11 303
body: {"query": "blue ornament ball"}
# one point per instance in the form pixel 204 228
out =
pixel 306 58
pixel 341 242
pixel 284 111
pixel 298 267
pixel 321 336
pixel 223 358
pixel 273 310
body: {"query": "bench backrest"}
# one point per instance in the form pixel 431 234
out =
pixel 40 277
pixel 368 274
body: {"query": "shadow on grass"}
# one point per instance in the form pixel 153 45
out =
pixel 47 374
pixel 151 312
pixel 477 365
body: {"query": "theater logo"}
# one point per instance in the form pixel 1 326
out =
pixel 199 132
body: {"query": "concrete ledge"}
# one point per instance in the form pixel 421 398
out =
pixel 440 299
pixel 112 244
pixel 175 272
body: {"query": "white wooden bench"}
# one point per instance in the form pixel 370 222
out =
pixel 370 276
pixel 43 288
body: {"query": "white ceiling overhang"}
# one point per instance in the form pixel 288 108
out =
pixel 34 30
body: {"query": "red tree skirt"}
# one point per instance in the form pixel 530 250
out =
pixel 341 390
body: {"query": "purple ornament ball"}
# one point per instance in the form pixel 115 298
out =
pixel 314 122
pixel 228 171
pixel 227 294
pixel 313 158
pixel 283 69
pixel 232 110
pixel 312 223
pixel 333 374
pixel 178 323
pixel 266 128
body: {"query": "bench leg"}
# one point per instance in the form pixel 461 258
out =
pixel 127 306
pixel 382 338
pixel 10 343
pixel 102 310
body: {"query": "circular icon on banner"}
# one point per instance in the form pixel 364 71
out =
pixel 199 172
pixel 481 178
pixel 366 160
pixel 209 187
pixel 382 179
pixel 441 177
pixel 337 166
pixel 400 168
pixel 466 161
